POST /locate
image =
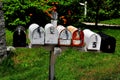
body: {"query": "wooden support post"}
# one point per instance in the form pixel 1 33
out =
pixel 53 54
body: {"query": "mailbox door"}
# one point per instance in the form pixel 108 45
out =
pixel 38 36
pixel 78 38
pixel 94 43
pixel 32 28
pixel 108 43
pixel 51 35
pixel 19 39
pixel 65 37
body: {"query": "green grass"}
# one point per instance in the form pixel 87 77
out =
pixel 9 37
pixel 33 64
pixel 26 64
pixel 112 21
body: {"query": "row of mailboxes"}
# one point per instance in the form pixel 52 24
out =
pixel 70 36
pixel 55 35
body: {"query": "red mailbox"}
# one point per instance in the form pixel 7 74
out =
pixel 77 36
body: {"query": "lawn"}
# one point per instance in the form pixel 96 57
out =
pixel 33 64
pixel 112 21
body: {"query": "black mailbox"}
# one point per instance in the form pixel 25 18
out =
pixel 108 43
pixel 19 37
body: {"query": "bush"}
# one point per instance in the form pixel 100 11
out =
pixel 17 12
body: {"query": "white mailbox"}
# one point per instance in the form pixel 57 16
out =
pixel 65 36
pixel 51 34
pixel 92 40
pixel 36 34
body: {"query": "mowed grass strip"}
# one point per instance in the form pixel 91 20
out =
pixel 112 21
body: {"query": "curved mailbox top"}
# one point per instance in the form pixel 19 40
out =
pixel 88 33
pixel 33 26
pixel 48 26
pixel 72 29
pixel 60 28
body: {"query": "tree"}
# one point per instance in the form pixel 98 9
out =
pixel 17 12
pixel 3 50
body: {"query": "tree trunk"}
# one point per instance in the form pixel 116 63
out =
pixel 3 50
pixel 97 12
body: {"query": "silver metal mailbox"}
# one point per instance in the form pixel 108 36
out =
pixel 51 34
pixel 65 36
pixel 36 34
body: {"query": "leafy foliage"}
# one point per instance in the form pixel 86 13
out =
pixel 108 9
pixel 17 12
